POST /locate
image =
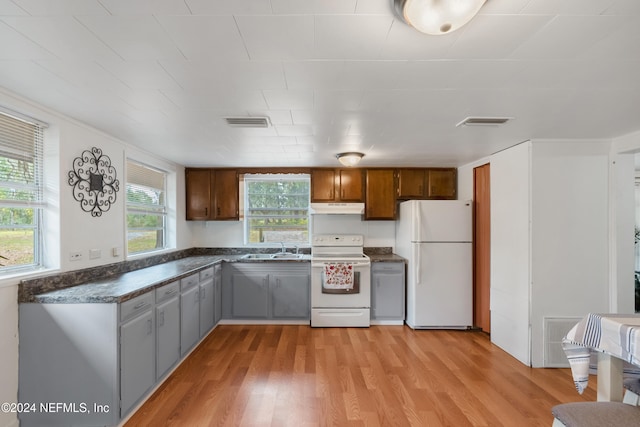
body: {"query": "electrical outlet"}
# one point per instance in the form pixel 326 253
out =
pixel 115 251
pixel 75 256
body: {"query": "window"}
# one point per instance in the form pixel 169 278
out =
pixel 146 208
pixel 276 209
pixel 21 192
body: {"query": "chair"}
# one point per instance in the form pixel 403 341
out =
pixel 596 414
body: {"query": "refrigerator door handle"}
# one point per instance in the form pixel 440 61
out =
pixel 417 221
pixel 416 262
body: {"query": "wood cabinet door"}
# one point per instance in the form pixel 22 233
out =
pixel 442 183
pixel 411 183
pixel 323 183
pixel 198 194
pixel 351 185
pixel 380 200
pixel 225 198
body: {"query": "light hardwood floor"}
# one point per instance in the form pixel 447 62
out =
pixel 274 375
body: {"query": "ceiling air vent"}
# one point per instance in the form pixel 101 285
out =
pixel 484 121
pixel 248 122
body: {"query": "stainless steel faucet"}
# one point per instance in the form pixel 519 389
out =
pixel 283 250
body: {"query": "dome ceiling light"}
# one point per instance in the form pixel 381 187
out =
pixel 437 17
pixel 350 158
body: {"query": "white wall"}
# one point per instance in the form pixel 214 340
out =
pixel 69 229
pixel 550 239
pixel 510 181
pixel 570 241
pixel 229 234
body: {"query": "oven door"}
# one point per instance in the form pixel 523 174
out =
pixel 325 295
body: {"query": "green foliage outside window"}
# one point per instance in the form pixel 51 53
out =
pixel 277 209
pixel 17 223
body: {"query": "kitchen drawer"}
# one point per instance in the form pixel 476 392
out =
pixel 167 291
pixel 189 281
pixel 387 267
pixel 135 306
pixel 206 273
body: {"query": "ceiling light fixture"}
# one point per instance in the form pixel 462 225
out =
pixel 437 17
pixel 350 158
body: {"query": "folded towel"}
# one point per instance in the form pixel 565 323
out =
pixel 338 275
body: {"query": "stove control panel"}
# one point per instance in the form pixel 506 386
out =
pixel 337 240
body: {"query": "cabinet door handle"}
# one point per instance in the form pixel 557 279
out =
pixel 206 211
pixel 161 319
pixel 139 305
pixel 149 326
pixel 171 291
pixel 218 210
pixel 203 294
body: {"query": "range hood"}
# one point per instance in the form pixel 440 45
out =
pixel 337 208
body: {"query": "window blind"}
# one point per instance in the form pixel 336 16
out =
pixel 145 188
pixel 21 146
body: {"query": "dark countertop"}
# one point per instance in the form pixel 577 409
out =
pixel 118 288
pixel 122 287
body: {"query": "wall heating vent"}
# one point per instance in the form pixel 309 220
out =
pixel 248 122
pixel 555 328
pixel 484 121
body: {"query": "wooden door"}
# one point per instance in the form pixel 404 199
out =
pixel 481 248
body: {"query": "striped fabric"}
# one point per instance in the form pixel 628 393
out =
pixel 615 334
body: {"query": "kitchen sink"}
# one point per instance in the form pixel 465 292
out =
pixel 286 255
pixel 279 255
pixel 256 256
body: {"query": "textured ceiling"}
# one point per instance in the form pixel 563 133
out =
pixel 332 75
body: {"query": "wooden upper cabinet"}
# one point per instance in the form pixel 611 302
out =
pixel 225 202
pixel 411 183
pixel 337 185
pixel 380 200
pixel 212 194
pixel 351 185
pixel 442 183
pixel 323 183
pixel 198 194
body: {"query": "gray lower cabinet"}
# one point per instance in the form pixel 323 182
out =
pixel 90 364
pixel 197 308
pixel 189 313
pixel 167 328
pixel 217 287
pixel 137 351
pixel 263 291
pixel 69 353
pixel 289 295
pixel 249 295
pixel 388 291
pixel 207 307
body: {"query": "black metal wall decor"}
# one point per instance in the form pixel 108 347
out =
pixel 94 181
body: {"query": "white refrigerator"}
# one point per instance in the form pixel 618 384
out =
pixel 435 237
